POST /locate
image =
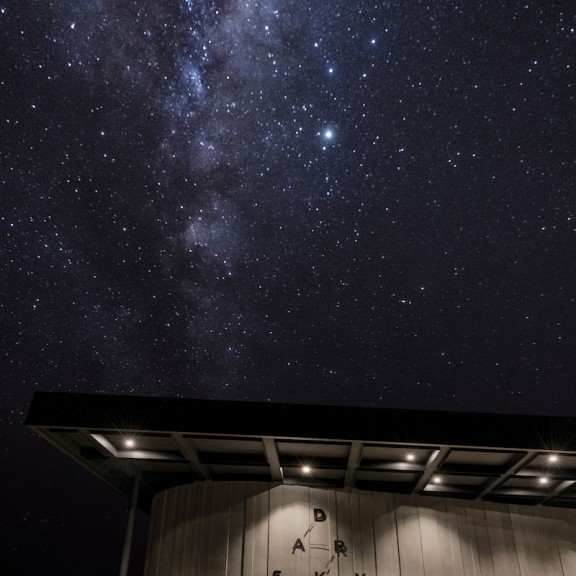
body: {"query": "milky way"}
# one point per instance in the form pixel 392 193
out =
pixel 270 200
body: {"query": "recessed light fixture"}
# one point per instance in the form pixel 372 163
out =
pixel 553 458
pixel 306 469
pixel 437 480
pixel 410 457
pixel 543 480
pixel 129 443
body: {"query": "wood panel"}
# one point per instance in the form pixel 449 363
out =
pixel 344 561
pixel 433 545
pixel 218 517
pixel 464 553
pixel 236 528
pixel 503 548
pixel 450 519
pixel 364 542
pixel 385 534
pixel 322 531
pixel 526 544
pixel 409 541
pixel 564 529
pixel 256 534
pixel 479 531
pixel 202 529
pixel 548 546
pixel 155 535
pixel 257 529
pixel 180 541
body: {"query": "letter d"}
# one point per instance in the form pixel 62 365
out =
pixel 319 515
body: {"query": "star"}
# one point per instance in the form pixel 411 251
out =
pixel 327 136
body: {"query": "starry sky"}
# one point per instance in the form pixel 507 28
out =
pixel 338 202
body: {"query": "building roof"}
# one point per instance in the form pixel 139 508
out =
pixel 170 441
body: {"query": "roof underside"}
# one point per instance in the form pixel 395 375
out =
pixel 168 442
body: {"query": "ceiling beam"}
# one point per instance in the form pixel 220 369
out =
pixel 434 462
pixel 529 456
pixel 273 460
pixel 191 454
pixel 354 458
pixel 560 489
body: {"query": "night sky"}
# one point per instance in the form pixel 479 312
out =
pixel 337 202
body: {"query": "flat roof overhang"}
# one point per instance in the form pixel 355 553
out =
pixel 171 441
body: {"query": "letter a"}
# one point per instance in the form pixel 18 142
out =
pixel 298 546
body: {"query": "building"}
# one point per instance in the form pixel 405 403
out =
pixel 252 489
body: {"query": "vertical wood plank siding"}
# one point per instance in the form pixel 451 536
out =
pixel 259 529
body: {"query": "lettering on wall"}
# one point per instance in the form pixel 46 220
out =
pixel 298 546
pixel 339 546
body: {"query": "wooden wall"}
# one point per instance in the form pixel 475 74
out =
pixel 255 529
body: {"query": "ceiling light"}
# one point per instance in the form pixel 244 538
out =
pixel 543 480
pixel 553 458
pixel 436 480
pixel 410 457
pixel 129 443
pixel 306 469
